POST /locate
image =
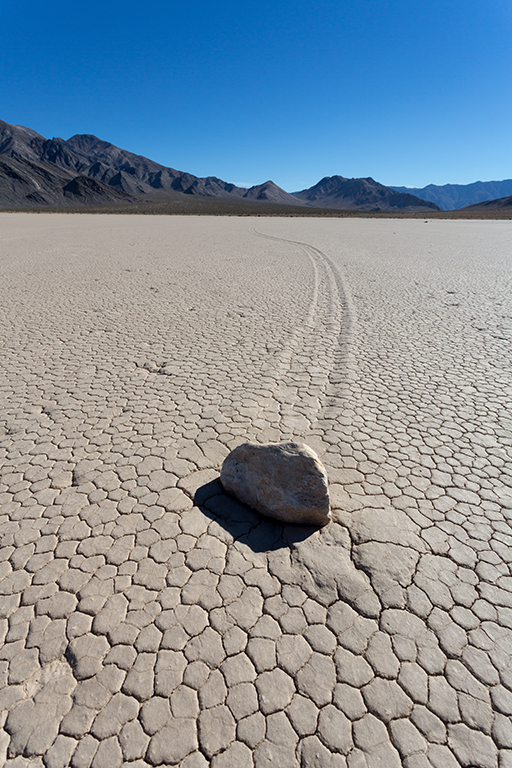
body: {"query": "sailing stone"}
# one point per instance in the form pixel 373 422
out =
pixel 286 481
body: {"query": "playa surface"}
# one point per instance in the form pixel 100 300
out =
pixel 148 619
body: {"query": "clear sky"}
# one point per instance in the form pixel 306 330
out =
pixel 409 92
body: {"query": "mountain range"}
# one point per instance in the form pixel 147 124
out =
pixel 35 171
pixel 451 197
pixel 85 170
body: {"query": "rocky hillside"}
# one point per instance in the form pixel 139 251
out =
pixel 361 195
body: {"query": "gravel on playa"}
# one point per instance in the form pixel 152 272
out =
pixel 146 618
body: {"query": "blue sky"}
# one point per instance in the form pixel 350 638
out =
pixel 407 91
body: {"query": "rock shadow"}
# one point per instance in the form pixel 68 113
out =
pixel 259 533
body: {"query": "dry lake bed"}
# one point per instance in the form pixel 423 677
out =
pixel 146 618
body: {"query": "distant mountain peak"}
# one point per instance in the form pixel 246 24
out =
pixel 270 192
pixel 87 139
pixel 363 194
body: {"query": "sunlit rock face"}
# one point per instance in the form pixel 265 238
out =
pixel 285 481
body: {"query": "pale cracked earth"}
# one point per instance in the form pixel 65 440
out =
pixel 148 619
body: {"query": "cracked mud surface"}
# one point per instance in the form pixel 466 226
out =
pixel 148 619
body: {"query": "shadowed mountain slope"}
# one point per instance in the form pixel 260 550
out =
pixel 26 182
pixel 18 141
pixel 500 203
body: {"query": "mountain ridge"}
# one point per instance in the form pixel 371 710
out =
pixel 87 155
pixel 452 197
pixel 32 174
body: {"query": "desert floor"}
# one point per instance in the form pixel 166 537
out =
pixel 148 619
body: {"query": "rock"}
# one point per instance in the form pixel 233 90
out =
pixel 285 481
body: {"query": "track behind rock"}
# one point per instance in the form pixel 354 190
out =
pixel 317 353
